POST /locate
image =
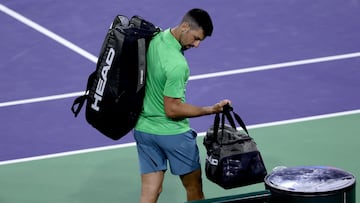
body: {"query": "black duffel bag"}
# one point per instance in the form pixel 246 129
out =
pixel 233 159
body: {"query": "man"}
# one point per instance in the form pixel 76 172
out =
pixel 163 133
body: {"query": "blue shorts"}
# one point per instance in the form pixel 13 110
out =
pixel 155 151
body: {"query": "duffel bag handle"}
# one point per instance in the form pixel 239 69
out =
pixel 227 110
pixel 226 113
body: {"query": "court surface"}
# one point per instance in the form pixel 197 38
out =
pixel 291 69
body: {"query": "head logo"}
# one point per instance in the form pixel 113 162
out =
pixel 102 81
pixel 212 161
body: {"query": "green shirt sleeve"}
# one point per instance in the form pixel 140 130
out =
pixel 176 78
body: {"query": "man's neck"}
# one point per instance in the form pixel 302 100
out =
pixel 175 32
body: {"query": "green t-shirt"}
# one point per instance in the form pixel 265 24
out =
pixel 167 75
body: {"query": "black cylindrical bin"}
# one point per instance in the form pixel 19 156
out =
pixel 311 184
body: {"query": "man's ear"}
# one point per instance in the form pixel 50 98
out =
pixel 184 27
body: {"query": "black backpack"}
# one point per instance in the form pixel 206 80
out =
pixel 115 90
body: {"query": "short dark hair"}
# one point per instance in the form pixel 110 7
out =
pixel 199 18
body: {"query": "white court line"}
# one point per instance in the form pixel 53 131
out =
pixel 111 147
pixel 202 76
pixel 41 99
pixel 48 33
pixel 277 65
pixel 93 58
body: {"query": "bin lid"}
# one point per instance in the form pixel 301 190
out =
pixel 309 179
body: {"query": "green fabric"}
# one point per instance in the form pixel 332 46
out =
pixel 167 75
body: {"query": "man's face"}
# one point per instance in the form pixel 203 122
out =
pixel 191 38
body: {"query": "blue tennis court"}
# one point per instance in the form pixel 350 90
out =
pixel 277 61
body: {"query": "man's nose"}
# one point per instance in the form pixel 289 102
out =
pixel 196 44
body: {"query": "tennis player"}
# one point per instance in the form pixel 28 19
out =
pixel 163 135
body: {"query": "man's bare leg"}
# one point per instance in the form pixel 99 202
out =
pixel 193 185
pixel 151 186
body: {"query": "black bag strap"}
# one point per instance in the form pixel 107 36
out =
pixel 226 114
pixel 141 64
pixel 79 101
pixel 216 125
pixel 227 110
pixel 222 125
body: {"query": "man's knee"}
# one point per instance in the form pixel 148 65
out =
pixel 192 178
pixel 151 186
pixel 193 185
